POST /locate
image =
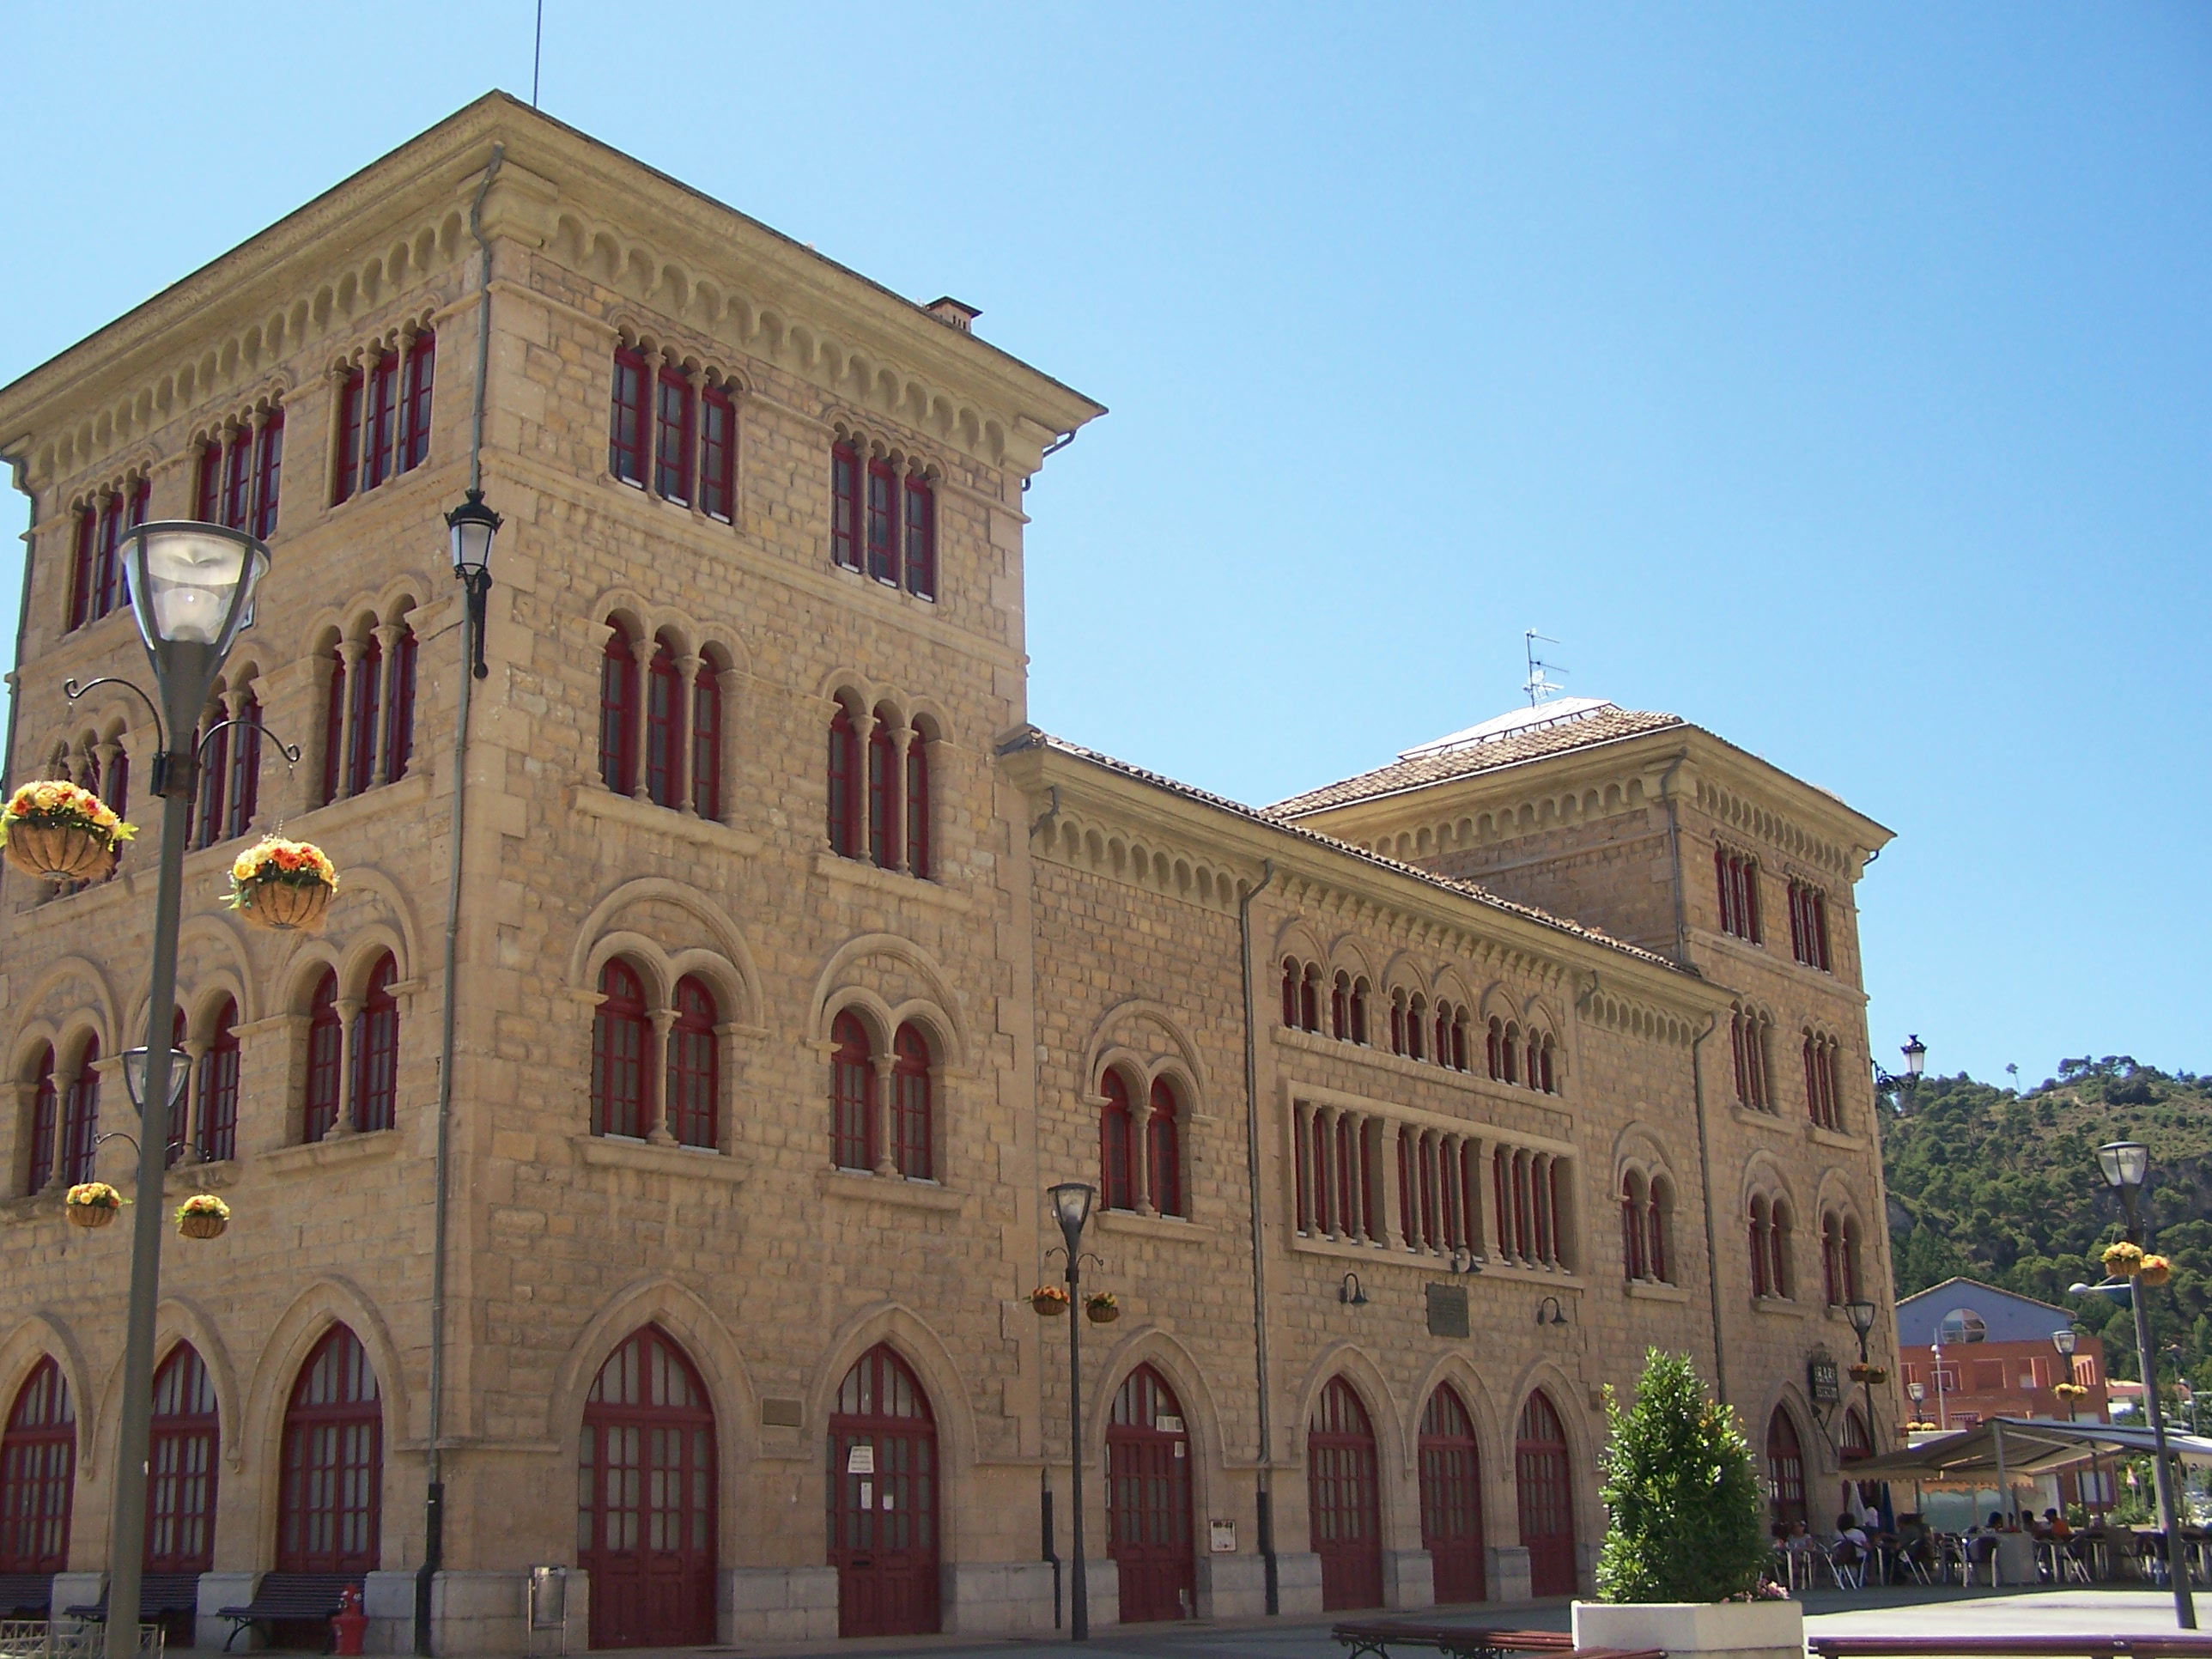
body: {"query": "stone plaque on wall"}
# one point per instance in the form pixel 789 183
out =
pixel 1448 1310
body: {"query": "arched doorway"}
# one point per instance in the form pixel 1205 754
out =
pixel 882 1500
pixel 1344 1496
pixel 1148 1527
pixel 1547 1497
pixel 330 1492
pixel 180 1466
pixel 37 1473
pixel 1451 1498
pixel 645 1497
pixel 1785 1470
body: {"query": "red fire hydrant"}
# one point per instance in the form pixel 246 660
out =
pixel 349 1624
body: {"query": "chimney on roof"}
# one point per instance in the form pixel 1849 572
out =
pixel 953 313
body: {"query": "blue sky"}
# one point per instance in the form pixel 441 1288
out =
pixel 1835 377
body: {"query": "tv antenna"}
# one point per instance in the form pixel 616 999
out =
pixel 537 53
pixel 1539 685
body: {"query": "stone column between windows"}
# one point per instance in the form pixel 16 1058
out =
pixel 23 1097
pixel 687 672
pixel 1301 1157
pixel 65 1076
pixel 1476 1152
pixel 388 638
pixel 864 727
pixel 1332 1159
pixel 642 650
pixel 1392 1151
pixel 656 1079
pixel 902 738
pixel 349 653
pixel 880 1103
pixel 1361 1193
pixel 349 1013
pixel 186 1126
pixel 1141 1111
pixel 1452 1216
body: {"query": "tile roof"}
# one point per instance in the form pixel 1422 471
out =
pixel 1033 737
pixel 1416 768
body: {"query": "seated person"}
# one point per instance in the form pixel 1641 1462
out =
pixel 2054 1526
pixel 1916 1542
pixel 1850 1540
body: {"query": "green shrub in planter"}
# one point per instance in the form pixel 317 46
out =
pixel 1687 1522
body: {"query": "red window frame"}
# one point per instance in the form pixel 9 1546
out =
pixel 882 1529
pixel 330 1479
pixel 399 706
pixel 1785 1470
pixel 268 473
pixel 207 483
pixel 81 567
pixel 203 822
pixel 674 433
pixel 1163 1150
pixel 845 506
pixel 882 794
pixel 627 436
pixel 376 1051
pixel 38 1473
pixel 108 567
pixel 920 537
pixel 881 520
pixel 695 1070
pixel 620 1029
pixel 917 806
pixel 334 706
pixel 1655 1210
pixel 1344 1498
pixel 1117 1145
pixel 663 757
pixel 115 787
pixel 368 707
pixel 46 1117
pixel 1544 1495
pixel 1632 1227
pixel 718 454
pixel 706 742
pixel 415 401
pixel 844 784
pixel 1290 993
pixel 180 1466
pixel 913 1125
pixel 1310 998
pixel 852 1096
pixel 217 1139
pixel 618 712
pixel 346 479
pixel 383 415
pixel 245 788
pixel 80 1127
pixel 325 1060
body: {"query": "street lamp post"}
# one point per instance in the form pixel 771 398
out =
pixel 1070 1204
pixel 1861 1313
pixel 2066 1340
pixel 191 588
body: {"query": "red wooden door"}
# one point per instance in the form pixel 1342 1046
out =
pixel 1547 1499
pixel 1343 1495
pixel 1148 1526
pixel 38 1473
pixel 645 1497
pixel 1451 1499
pixel 882 1500
pixel 180 1466
pixel 330 1491
pixel 1785 1468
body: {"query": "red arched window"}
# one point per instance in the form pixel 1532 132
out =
pixel 367 696
pixel 1542 1075
pixel 383 410
pixel 618 713
pixel 37 1474
pixel 674 417
pixel 914 1127
pixel 694 1091
pixel 706 742
pixel 1310 998
pixel 1289 993
pixel 1148 1519
pixel 1658 1212
pixel 180 1466
pixel 920 538
pixel 1451 1498
pixel 330 1487
pixel 1831 1263
pixel 844 785
pixel 399 708
pixel 645 1497
pixel 627 440
pixel 1546 1497
pixel 1511 1047
pixel 46 1111
pixel 619 1025
pixel 917 804
pixel 1344 1502
pixel 80 562
pixel 1631 1226
pixel 882 524
pixel 1497 1047
pixel 883 792
pixel 1778 1242
pixel 1339 1008
pixel 268 472
pixel 1359 1011
pixel 1762 1282
pixel 718 454
pixel 415 401
pixel 1164 1151
pixel 218 1089
pixel 204 827
pixel 663 686
pixel 334 706
pixel 1849 1256
pixel 852 1096
pixel 1117 1145
pixel 1855 1442
pixel 245 770
pixel 882 1500
pixel 325 1052
pixel 845 505
pixel 348 424
pixel 376 1051
pixel 81 1118
pixel 1785 1470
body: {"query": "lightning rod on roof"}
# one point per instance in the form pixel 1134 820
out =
pixel 1539 685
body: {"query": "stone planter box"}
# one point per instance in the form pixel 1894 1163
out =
pixel 1719 1629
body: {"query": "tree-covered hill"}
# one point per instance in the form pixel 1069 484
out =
pixel 2003 1186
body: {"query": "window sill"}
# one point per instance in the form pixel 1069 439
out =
pixel 619 1152
pixel 1835 1137
pixel 409 791
pixel 1770 1122
pixel 888 1189
pixel 332 1153
pixel 1652 1290
pixel 1490 1268
pixel 889 883
pixel 591 800
pixel 1780 1307
pixel 1319 1042
pixel 1138 1226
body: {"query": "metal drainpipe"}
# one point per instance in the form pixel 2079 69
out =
pixel 434 1499
pixel 1266 1495
pixel 17 465
pixel 1675 858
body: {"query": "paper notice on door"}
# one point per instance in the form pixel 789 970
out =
pixel 889 1495
pixel 860 1458
pixel 867 1494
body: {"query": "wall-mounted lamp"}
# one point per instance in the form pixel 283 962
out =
pixel 1557 1316
pixel 1349 1292
pixel 1465 1261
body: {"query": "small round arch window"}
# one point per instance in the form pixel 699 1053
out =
pixel 1962 1325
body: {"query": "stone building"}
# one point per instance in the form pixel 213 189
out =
pixel 757 967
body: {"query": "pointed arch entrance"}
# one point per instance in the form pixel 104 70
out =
pixel 180 1466
pixel 1344 1497
pixel 37 1473
pixel 329 1490
pixel 1545 1489
pixel 1785 1469
pixel 1451 1498
pixel 882 1500
pixel 645 1497
pixel 1148 1525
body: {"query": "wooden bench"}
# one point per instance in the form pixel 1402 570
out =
pixel 2167 1646
pixel 161 1594
pixel 306 1597
pixel 25 1595
pixel 1463 1642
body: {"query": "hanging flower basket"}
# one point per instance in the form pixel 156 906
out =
pixel 2122 1260
pixel 2154 1272
pixel 91 1203
pixel 1049 1301
pixel 2069 1390
pixel 285 886
pixel 57 832
pixel 1101 1308
pixel 1876 1375
pixel 202 1216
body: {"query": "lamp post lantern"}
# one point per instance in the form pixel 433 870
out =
pixel 191 588
pixel 1861 1313
pixel 1071 1206
pixel 472 526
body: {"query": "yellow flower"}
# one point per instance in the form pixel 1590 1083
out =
pixel 2122 1260
pixel 2156 1271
